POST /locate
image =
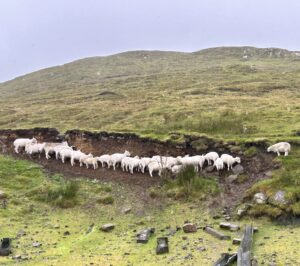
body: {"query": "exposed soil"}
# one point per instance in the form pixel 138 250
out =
pixel 108 143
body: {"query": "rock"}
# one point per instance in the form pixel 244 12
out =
pixel 278 199
pixel 16 257
pixel 21 233
pixel 3 195
pixel 269 174
pixel 255 229
pixel 210 169
pixel 178 228
pixel 90 229
pixel 260 198
pixel 162 245
pixel 236 241
pixel 215 233
pixel 232 178
pixel 56 226
pixel 107 227
pixel 36 244
pixel 201 249
pixel 229 226
pixel 5 247
pixel 67 233
pixel 189 228
pixel 144 235
pixel 238 169
pixel 188 257
pixel 126 210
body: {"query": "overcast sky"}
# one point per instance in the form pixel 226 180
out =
pixel 35 34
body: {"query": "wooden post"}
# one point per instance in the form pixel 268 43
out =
pixel 244 252
pixel 215 233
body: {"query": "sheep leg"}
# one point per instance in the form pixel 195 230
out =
pixel 286 153
pixel 278 153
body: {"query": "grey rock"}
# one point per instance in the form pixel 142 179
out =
pixel 144 235
pixel 126 210
pixel 3 195
pixel 36 244
pixel 21 233
pixel 238 169
pixel 232 178
pixel 189 228
pixel 278 199
pixel 236 241
pixel 260 198
pixel 107 227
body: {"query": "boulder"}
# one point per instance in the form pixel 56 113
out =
pixel 189 228
pixel 278 199
pixel 3 195
pixel 260 198
pixel 238 169
pixel 144 235
pixel 162 245
pixel 232 178
pixel 107 227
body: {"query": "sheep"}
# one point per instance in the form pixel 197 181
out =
pixel 196 161
pixel 144 163
pixel 176 169
pixel 211 156
pixel 117 158
pixel 59 148
pixel 154 166
pixel 219 164
pixel 229 160
pixel 21 143
pixel 104 159
pixel 51 147
pixel 89 160
pixel 125 163
pixel 133 163
pixel 170 162
pixel 280 147
pixel 76 155
pixel 33 148
pixel 66 152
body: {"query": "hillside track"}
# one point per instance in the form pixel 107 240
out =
pixel 255 167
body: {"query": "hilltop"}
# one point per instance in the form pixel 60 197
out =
pixel 225 91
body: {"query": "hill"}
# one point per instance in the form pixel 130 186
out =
pixel 225 91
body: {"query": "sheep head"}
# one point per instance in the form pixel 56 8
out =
pixel 237 159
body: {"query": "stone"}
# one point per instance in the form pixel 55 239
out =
pixel 210 169
pixel 238 169
pixel 236 241
pixel 16 257
pixel 278 199
pixel 36 244
pixel 189 228
pixel 107 227
pixel 162 245
pixel 3 195
pixel 229 226
pixel 5 247
pixel 67 233
pixel 260 198
pixel 56 226
pixel 21 233
pixel 144 235
pixel 269 174
pixel 215 233
pixel 126 210
pixel 232 178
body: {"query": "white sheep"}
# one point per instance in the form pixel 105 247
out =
pixel 176 169
pixel 197 161
pixel 170 162
pixel 21 143
pixel 89 160
pixel 66 153
pixel 50 147
pixel 104 159
pixel 76 155
pixel 211 156
pixel 219 164
pixel 133 163
pixel 33 148
pixel 280 147
pixel 117 158
pixel 154 167
pixel 144 163
pixel 229 160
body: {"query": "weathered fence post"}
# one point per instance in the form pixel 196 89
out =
pixel 244 252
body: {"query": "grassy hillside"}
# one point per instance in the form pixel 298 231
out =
pixel 233 91
pixel 33 215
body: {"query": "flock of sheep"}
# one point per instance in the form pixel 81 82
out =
pixel 154 164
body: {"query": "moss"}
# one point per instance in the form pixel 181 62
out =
pixel 264 209
pixel 241 179
pixel 107 199
pixel 250 151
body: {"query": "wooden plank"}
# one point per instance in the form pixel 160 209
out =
pixel 244 252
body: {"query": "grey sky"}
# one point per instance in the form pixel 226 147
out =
pixel 36 34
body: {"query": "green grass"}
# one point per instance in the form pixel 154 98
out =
pixel 213 91
pixel 40 220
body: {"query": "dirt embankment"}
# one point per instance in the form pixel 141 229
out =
pixel 99 143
